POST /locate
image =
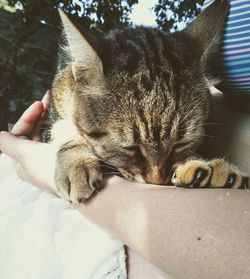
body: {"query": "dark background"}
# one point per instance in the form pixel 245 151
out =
pixel 29 33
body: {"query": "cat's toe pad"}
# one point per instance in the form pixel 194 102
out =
pixel 215 173
pixel 193 174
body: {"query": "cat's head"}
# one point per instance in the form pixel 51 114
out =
pixel 142 97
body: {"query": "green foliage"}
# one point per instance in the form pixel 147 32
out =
pixel 171 13
pixel 4 5
pixel 104 15
pixel 100 14
pixel 108 14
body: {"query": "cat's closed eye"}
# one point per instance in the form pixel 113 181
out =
pixel 97 134
pixel 137 151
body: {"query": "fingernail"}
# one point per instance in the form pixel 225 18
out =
pixel 47 95
pixel 36 102
pixel 49 92
pixel 33 106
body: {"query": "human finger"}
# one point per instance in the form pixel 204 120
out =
pixel 28 121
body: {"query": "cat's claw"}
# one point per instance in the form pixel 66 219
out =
pixel 245 184
pixel 96 185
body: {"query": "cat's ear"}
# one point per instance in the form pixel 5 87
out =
pixel 84 48
pixel 206 29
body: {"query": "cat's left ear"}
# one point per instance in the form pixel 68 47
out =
pixel 206 29
pixel 85 49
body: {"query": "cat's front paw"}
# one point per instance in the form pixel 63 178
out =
pixel 215 173
pixel 77 180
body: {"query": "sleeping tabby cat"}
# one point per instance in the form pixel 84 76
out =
pixel 136 100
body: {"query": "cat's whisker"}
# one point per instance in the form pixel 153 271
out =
pixel 112 169
pixel 196 104
pixel 216 124
pixel 193 107
pixel 208 136
pixel 201 135
pixel 108 167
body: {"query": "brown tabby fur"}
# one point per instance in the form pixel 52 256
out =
pixel 136 101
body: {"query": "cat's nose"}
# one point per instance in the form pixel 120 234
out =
pixel 154 176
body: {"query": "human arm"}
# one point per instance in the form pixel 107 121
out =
pixel 186 233
pixel 177 230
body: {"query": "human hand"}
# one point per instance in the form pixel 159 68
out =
pixel 33 160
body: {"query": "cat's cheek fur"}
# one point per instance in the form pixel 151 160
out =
pixel 62 131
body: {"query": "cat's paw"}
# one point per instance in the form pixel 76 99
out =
pixel 215 173
pixel 77 179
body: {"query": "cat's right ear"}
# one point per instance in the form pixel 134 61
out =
pixel 84 48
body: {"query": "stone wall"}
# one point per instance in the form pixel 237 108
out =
pixel 28 56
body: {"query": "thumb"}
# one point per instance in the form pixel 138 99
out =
pixel 12 145
pixel 28 121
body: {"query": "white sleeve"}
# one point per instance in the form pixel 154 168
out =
pixel 42 238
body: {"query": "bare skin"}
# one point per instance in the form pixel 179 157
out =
pixel 186 233
pixel 189 234
pixel 24 147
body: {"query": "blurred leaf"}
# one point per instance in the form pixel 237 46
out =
pixel 5 5
pixel 171 13
pixel 104 14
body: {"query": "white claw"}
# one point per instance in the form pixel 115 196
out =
pixel 174 178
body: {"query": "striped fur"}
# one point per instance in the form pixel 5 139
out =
pixel 136 101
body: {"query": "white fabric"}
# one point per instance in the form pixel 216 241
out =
pixel 41 238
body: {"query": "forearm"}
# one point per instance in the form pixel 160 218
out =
pixel 187 233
